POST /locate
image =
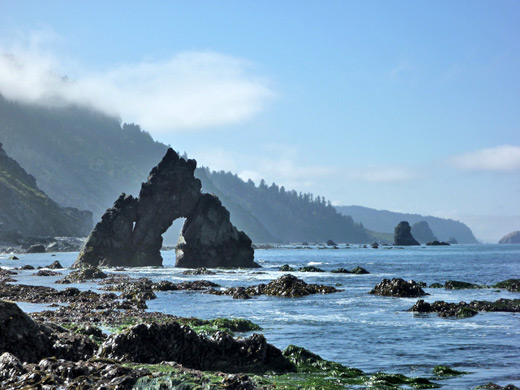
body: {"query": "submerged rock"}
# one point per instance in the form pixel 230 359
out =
pixel 130 233
pixel 398 287
pixel 403 235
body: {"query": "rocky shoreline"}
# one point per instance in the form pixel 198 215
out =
pixel 108 340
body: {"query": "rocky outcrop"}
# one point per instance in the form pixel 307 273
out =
pixel 181 344
pixel 421 232
pixel 130 233
pixel 288 286
pixel 403 235
pixel 209 239
pixel 25 210
pixel 398 288
pixel 511 238
pixel 30 341
pixel 465 310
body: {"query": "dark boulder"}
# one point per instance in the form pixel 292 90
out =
pixel 290 286
pixel 30 341
pixel 511 238
pixel 84 274
pixel 359 271
pixel 331 243
pixel 403 235
pixel 55 265
pixel 398 288
pixel 130 233
pixel 181 344
pixel 286 268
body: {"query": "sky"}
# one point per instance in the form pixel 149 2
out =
pixel 399 105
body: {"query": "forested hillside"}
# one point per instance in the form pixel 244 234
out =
pixel 26 210
pixel 80 158
pixel 385 221
pixel 85 159
pixel 287 216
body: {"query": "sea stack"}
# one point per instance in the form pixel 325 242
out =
pixel 403 235
pixel 130 233
pixel 422 232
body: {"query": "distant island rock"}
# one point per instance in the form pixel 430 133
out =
pixel 403 235
pixel 421 232
pixel 511 238
pixel 384 221
pixel 130 233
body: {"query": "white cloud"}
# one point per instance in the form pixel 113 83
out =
pixel 499 158
pixel 190 90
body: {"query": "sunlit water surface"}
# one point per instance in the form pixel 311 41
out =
pixel 353 327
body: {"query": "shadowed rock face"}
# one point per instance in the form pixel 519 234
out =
pixel 130 233
pixel 403 234
pixel 209 239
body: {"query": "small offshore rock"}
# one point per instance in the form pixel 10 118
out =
pixel 199 271
pixel 13 258
pixel 359 271
pixel 55 265
pixel 437 243
pixel 286 268
pixel 458 285
pixel 44 272
pixel 310 268
pixel 398 287
pixel 83 274
pixel 511 285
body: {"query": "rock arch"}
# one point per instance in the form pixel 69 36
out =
pixel 130 233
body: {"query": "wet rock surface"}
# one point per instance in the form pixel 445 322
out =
pixel 398 287
pixel 209 239
pixel 511 285
pixel 181 344
pixel 130 233
pixel 465 310
pixel 286 286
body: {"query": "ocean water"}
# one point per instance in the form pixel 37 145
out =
pixel 352 327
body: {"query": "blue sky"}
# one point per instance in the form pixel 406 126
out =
pixel 401 105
